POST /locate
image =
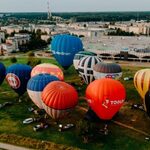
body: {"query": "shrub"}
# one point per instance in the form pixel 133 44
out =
pixel 30 54
pixel 13 59
pixel 33 61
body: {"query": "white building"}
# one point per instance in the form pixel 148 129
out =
pixel 2 36
pixel 20 39
pixel 8 48
pixel 12 28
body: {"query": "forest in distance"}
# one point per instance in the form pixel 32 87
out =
pixel 85 16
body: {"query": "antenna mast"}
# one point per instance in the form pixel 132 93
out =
pixel 49 15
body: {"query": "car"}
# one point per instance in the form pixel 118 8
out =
pixel 65 127
pixel 6 104
pixel 40 126
pixel 29 120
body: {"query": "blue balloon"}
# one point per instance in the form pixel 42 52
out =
pixel 36 85
pixel 64 47
pixel 2 73
pixel 17 76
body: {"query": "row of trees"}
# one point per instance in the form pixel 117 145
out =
pixel 119 32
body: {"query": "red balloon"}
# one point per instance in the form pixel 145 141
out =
pixel 59 99
pixel 105 97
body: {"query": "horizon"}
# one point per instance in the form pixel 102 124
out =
pixel 132 11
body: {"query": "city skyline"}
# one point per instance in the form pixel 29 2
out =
pixel 73 6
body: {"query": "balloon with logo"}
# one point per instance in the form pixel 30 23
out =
pixel 107 70
pixel 64 47
pixel 17 76
pixel 85 67
pixel 48 68
pixel 59 99
pixel 80 55
pixel 2 73
pixel 142 84
pixel 36 85
pixel 105 97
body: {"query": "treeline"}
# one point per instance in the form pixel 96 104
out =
pixel 89 16
pixel 119 32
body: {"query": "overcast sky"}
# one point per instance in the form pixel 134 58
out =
pixel 73 5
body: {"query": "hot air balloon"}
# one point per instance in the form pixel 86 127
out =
pixel 59 99
pixel 2 73
pixel 107 70
pixel 36 85
pixel 105 97
pixel 64 47
pixel 142 84
pixel 80 55
pixel 17 77
pixel 85 67
pixel 48 68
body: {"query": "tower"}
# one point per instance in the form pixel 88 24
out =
pixel 49 15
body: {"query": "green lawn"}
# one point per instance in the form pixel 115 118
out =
pixel 11 118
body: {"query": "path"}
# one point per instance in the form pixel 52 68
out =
pixel 12 147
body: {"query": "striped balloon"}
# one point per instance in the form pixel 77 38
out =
pixel 59 98
pixel 79 56
pixel 48 68
pixel 142 84
pixel 142 81
pixel 36 85
pixel 85 67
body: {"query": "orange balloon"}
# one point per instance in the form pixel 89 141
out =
pixel 105 96
pixel 59 99
pixel 48 68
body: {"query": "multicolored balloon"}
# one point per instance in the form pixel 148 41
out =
pixel 2 73
pixel 107 70
pixel 36 85
pixel 64 47
pixel 17 77
pixel 80 55
pixel 59 99
pixel 105 97
pixel 85 67
pixel 48 68
pixel 142 84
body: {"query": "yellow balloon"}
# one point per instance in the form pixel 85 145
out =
pixel 142 82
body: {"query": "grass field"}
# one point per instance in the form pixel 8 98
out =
pixel 11 117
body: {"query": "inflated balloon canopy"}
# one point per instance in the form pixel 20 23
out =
pixel 105 97
pixel 64 47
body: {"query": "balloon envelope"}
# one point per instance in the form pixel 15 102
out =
pixel 80 55
pixel 107 70
pixel 48 68
pixel 36 85
pixel 105 97
pixel 142 82
pixel 64 47
pixel 59 99
pixel 85 67
pixel 17 77
pixel 2 73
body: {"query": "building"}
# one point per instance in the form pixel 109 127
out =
pixel 12 28
pixel 2 36
pixel 9 48
pixel 45 37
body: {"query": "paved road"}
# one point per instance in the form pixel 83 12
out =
pixel 12 147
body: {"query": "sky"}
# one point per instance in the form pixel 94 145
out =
pixel 74 5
